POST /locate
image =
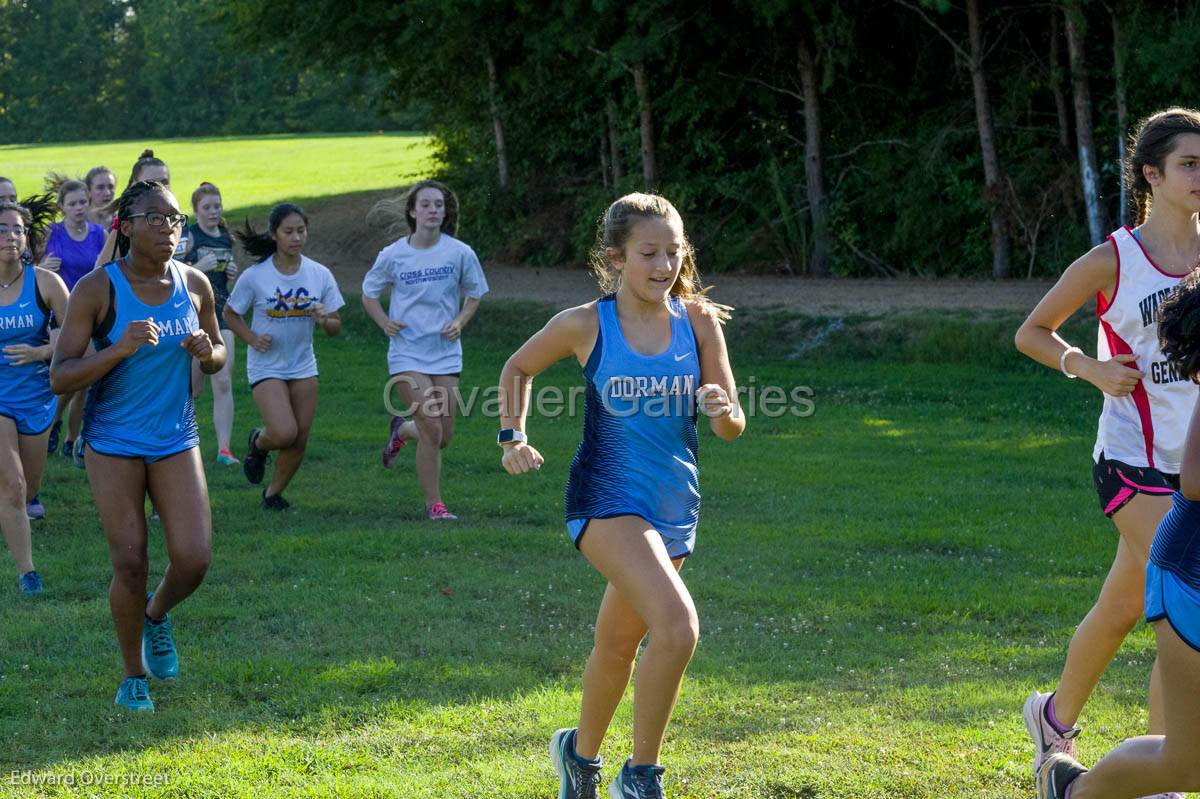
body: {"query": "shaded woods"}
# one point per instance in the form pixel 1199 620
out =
pixel 879 137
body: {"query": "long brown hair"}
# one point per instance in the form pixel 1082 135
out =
pixel 395 214
pixel 1153 142
pixel 613 232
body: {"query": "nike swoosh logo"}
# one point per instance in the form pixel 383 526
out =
pixel 679 358
pixel 180 304
pixel 26 304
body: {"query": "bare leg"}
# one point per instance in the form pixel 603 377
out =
pixel 1153 764
pixel 222 388
pixel 33 462
pixel 619 632
pixel 632 557
pixel 119 489
pixel 279 422
pixel 302 396
pixel 418 394
pixel 1117 610
pixel 180 492
pixel 75 420
pixel 13 520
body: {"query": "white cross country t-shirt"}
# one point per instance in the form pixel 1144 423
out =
pixel 283 310
pixel 428 286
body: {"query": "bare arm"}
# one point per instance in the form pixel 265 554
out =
pixel 209 348
pixel 1095 272
pixel 242 330
pixel 109 251
pixel 54 292
pixel 454 328
pixel 571 332
pixel 374 309
pixel 1189 469
pixel 70 369
pixel 718 393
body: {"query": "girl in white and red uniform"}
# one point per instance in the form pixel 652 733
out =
pixel 1147 402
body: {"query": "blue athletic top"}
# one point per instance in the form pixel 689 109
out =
pixel 143 407
pixel 26 321
pixel 639 448
pixel 1176 546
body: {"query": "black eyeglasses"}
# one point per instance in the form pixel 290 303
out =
pixel 155 219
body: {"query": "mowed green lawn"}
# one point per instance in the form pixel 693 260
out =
pixel 879 587
pixel 253 172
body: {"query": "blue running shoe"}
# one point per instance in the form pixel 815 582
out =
pixel 578 779
pixel 30 583
pixel 158 649
pixel 77 453
pixel 638 782
pixel 134 694
pixel 52 442
pixel 34 509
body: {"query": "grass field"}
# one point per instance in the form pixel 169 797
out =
pixel 253 172
pixel 879 587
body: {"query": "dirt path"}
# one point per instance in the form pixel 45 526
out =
pixel 343 241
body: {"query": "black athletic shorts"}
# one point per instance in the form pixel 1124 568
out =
pixel 1117 483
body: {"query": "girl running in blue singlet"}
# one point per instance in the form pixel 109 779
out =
pixel 1155 764
pixel 1143 423
pixel 28 295
pixel 653 354
pixel 148 317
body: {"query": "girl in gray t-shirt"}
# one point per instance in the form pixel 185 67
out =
pixel 436 283
pixel 290 296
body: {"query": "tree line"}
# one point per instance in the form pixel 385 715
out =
pixel 853 137
pixel 78 70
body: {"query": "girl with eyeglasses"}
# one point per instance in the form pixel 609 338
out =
pixel 148 316
pixel 28 297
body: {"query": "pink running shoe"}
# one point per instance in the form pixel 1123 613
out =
pixel 1046 739
pixel 438 511
pixel 395 443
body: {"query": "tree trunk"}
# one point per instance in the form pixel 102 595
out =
pixel 987 143
pixel 641 85
pixel 497 123
pixel 605 176
pixel 1060 97
pixel 1089 175
pixel 1122 110
pixel 818 263
pixel 614 142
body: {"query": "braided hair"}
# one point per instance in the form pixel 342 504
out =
pixel 37 213
pixel 262 246
pixel 127 201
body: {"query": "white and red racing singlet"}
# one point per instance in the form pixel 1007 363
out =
pixel 1147 426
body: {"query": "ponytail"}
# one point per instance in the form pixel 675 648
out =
pixel 262 246
pixel 37 212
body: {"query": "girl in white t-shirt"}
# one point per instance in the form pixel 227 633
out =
pixel 289 295
pixel 436 283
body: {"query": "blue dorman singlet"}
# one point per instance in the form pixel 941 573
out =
pixel 26 321
pixel 639 450
pixel 143 407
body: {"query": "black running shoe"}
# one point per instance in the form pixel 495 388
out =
pixel 276 502
pixel 254 465
pixel 52 442
pixel 1058 771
